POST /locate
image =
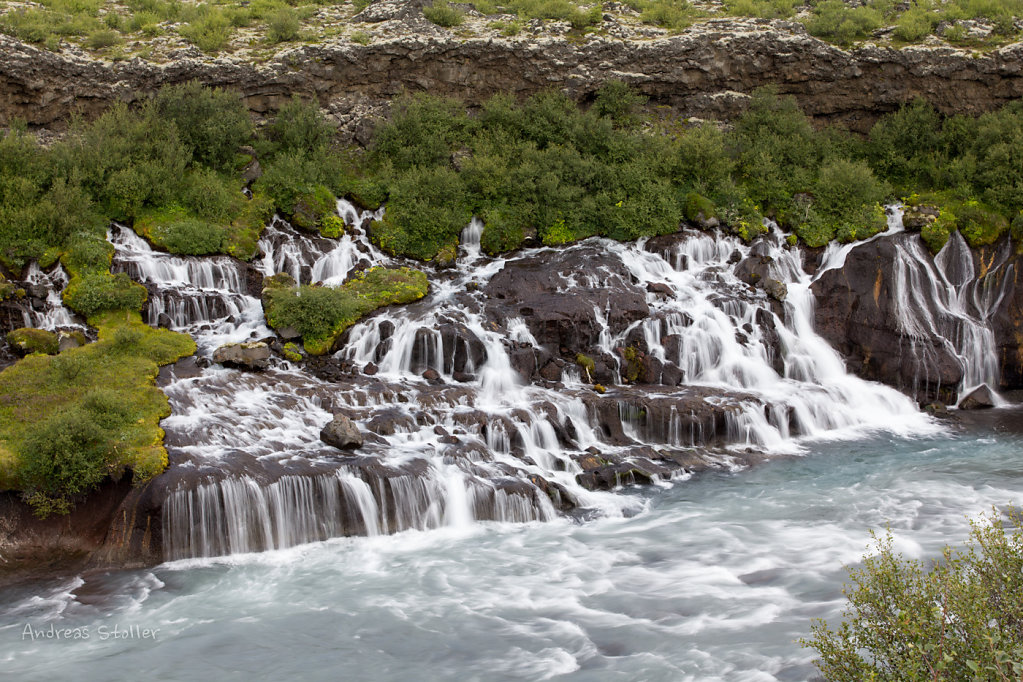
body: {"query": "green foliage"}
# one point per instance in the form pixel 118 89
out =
pixel 958 619
pixel 210 31
pixel 833 20
pixel 936 234
pixel 620 103
pixel 361 37
pixel 67 421
pixel 674 15
pixel 979 225
pixel 322 314
pixel 212 123
pixel 299 127
pixel 587 363
pixel 282 26
pixel 426 211
pixel 907 147
pixel 332 226
pixel 100 291
pixel 102 38
pixel 443 14
pixel 28 340
pixel 762 9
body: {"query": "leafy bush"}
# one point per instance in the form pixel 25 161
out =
pixel 212 123
pixel 96 292
pixel 833 20
pixel 210 31
pixel 28 340
pixel 321 314
pixel 958 619
pixel 443 14
pixel 282 26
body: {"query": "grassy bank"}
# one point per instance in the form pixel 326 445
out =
pixel 67 421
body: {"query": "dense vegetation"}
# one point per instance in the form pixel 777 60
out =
pixel 550 170
pixel 960 619
pixel 321 314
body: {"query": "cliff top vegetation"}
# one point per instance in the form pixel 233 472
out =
pixel 163 30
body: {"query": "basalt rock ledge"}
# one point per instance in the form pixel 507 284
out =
pixel 706 72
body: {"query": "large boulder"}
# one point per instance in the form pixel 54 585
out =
pixel 978 399
pixel 341 432
pixel 254 355
pixel 26 340
pixel 857 312
pixel 561 295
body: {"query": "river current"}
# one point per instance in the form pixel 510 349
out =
pixel 712 578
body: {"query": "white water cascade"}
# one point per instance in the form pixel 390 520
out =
pixel 944 298
pixel 458 425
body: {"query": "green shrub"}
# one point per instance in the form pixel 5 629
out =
pixel 104 37
pixel 443 14
pixel 978 225
pixel 674 15
pixel 282 26
pixel 620 103
pixel 763 9
pixel 834 21
pixel 212 123
pixel 321 314
pixel 64 456
pixel 427 210
pixel 97 292
pixel 361 37
pixel 936 234
pixel 312 206
pixel 958 619
pixel 299 127
pixel 913 25
pixel 211 31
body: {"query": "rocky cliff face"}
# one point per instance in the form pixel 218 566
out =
pixel 704 72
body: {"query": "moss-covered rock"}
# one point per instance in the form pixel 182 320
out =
pixel 312 207
pixel 321 314
pixel 27 340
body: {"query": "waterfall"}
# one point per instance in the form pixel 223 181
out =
pixel 476 439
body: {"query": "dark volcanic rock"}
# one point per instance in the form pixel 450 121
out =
pixel 857 312
pixel 341 432
pixel 979 398
pixel 559 294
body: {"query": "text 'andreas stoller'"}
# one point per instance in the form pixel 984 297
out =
pixel 102 633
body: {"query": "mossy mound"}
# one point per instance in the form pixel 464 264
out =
pixel 67 421
pixel 321 314
pixel 26 341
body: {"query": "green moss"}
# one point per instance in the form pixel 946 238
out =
pixel 28 340
pixel 177 230
pixel 587 363
pixel 632 363
pixel 979 225
pixel 936 234
pixel 292 352
pixel 97 292
pixel 698 208
pixel 312 207
pixel 322 314
pixel 67 421
pixel 332 226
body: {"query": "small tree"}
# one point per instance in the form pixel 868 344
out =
pixel 961 620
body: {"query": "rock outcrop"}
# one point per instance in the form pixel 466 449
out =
pixel 706 72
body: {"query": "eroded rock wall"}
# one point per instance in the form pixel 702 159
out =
pixel 705 72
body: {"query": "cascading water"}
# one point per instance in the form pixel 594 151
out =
pixel 461 425
pixel 943 299
pixel 54 314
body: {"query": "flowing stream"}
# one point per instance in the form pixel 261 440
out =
pixel 487 528
pixel 709 579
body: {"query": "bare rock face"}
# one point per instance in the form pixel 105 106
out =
pixel 341 432
pixel 857 313
pixel 707 72
pixel 560 309
pixel 245 355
